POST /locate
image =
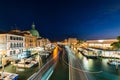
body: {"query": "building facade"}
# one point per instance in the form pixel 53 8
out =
pixel 72 40
pixel 30 41
pixel 16 41
pixel 11 44
pixel 103 44
pixel 43 42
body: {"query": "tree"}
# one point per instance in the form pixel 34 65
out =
pixel 116 46
pixel 118 38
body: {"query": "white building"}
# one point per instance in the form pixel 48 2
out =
pixel 11 44
pixel 104 44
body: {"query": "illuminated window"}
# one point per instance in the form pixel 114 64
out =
pixel 11 45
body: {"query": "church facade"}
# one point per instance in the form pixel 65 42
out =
pixel 16 41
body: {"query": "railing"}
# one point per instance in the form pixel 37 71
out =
pixel 38 75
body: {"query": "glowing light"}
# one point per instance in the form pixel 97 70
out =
pixel 85 61
pixel 55 53
pixel 100 40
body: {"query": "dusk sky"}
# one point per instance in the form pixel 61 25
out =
pixel 60 19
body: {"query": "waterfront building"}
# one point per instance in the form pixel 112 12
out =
pixel 30 41
pixel 103 44
pixel 72 41
pixel 64 42
pixel 11 44
pixel 30 37
pixel 17 41
pixel 43 42
pixel 39 42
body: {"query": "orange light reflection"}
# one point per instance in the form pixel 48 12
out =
pixel 55 53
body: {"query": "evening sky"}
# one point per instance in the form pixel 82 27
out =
pixel 60 19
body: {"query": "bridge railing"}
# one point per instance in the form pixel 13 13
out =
pixel 38 75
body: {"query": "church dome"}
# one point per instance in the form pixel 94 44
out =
pixel 33 31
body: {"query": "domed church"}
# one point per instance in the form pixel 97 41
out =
pixel 33 31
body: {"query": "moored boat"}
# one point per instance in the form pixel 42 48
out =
pixel 113 62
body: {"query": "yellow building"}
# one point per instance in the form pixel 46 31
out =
pixel 30 41
pixel 72 40
pixel 43 42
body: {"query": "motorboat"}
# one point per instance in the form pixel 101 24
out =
pixel 27 63
pixel 8 76
pixel 113 62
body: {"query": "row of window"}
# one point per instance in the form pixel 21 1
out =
pixel 15 45
pixel 14 52
pixel 15 38
pixel 29 40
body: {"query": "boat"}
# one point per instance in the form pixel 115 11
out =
pixel 113 62
pixel 28 63
pixel 89 56
pixel 24 54
pixel 8 76
pixel 20 69
pixel 92 57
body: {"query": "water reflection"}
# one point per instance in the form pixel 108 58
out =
pixel 55 54
pixel 28 72
pixel 95 65
pixel 85 61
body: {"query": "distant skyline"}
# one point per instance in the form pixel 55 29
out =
pixel 60 19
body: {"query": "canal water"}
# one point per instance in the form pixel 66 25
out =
pixel 61 71
pixel 24 75
pixel 98 69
